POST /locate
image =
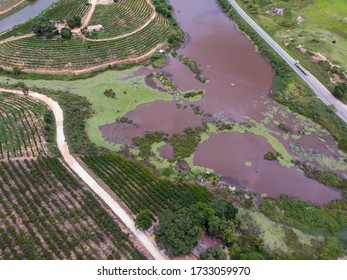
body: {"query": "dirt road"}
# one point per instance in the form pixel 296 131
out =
pixel 82 173
pixel 10 8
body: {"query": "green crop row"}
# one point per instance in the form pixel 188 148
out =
pixel 121 17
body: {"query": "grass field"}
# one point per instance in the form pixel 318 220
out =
pixel 129 94
pixel 323 30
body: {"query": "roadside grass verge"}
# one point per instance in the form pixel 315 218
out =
pixel 289 89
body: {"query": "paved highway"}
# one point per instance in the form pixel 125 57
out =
pixel 321 91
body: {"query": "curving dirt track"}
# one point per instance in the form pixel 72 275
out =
pixel 83 174
pixel 10 8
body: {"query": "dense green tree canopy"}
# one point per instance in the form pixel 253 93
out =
pixel 143 220
pixel 177 233
pixel 224 208
pixel 340 91
pixel 43 26
pixel 213 253
pixel 74 21
pixel 66 33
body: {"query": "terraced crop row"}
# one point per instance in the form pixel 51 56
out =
pixel 67 8
pixel 121 17
pixel 35 53
pixel 21 132
pixel 137 187
pixel 46 214
pixel 60 10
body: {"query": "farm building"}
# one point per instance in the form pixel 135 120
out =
pixel 94 28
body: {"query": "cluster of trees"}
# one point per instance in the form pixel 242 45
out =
pixel 74 21
pixel 255 5
pixel 43 26
pixel 176 37
pixel 184 145
pixel 340 91
pixel 163 8
pixel 179 231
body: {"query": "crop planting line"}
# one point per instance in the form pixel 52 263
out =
pixel 10 8
pixel 84 175
pixel 89 69
pixel 88 16
pixel 14 38
pixel 131 33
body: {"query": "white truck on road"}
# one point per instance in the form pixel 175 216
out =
pixel 302 69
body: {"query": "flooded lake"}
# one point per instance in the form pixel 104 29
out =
pixel 240 81
pixel 241 156
pixel 149 117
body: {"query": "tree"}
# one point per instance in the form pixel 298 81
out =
pixel 74 21
pixel 200 213
pixel 252 256
pixel 224 208
pixel 143 220
pixel 66 33
pixel 214 225
pixel 222 229
pixel 214 253
pixel 110 93
pixel 340 91
pixel 270 156
pixel 43 26
pixel 177 233
pixel 194 195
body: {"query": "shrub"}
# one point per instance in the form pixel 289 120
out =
pixel 66 33
pixel 74 22
pixel 213 253
pixel 340 91
pixel 270 156
pixel 143 220
pixel 110 93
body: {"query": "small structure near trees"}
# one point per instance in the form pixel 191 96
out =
pixel 94 28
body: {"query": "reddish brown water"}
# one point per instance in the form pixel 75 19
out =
pixel 166 151
pixel 227 154
pixel 149 117
pixel 226 56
